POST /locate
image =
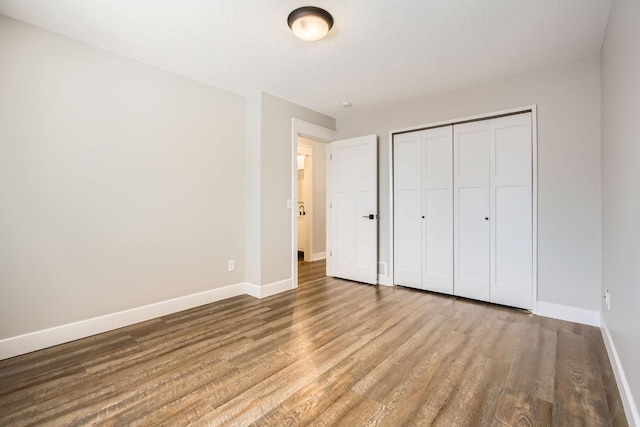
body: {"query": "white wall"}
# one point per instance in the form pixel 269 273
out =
pixel 568 100
pixel 319 182
pixel 621 186
pixel 120 184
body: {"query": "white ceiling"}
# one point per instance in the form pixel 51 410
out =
pixel 379 53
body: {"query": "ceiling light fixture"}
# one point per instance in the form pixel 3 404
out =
pixel 310 23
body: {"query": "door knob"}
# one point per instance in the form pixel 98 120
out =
pixel 370 216
pixel 486 218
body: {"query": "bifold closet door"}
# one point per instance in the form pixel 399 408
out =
pixel 423 209
pixel 493 217
pixel 471 209
pixel 511 210
pixel 407 157
pixel 437 209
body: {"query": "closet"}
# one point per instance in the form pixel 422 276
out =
pixel 423 211
pixel 463 201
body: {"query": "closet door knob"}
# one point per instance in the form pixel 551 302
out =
pixel 486 218
pixel 422 216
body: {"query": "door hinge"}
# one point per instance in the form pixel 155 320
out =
pixel 330 156
pixel 330 205
pixel 330 253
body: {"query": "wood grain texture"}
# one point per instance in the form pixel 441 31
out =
pixel 332 352
pixel 309 272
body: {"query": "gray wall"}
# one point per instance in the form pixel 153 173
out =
pixel 120 184
pixel 270 120
pixel 568 100
pixel 252 196
pixel 621 184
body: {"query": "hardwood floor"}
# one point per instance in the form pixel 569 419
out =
pixel 331 352
pixel 311 271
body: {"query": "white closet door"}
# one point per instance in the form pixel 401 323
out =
pixel 511 211
pixel 437 209
pixel 407 208
pixel 472 186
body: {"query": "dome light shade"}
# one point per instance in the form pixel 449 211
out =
pixel 310 23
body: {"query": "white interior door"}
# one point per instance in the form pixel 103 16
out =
pixel 353 184
pixel 437 209
pixel 407 212
pixel 471 209
pixel 511 211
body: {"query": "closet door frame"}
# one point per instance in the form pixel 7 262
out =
pixel 389 277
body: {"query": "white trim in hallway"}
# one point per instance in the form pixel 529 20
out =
pixel 318 256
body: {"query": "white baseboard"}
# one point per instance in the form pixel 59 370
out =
pixel 38 340
pixel 252 289
pixel 566 312
pixel 14 346
pixel 264 291
pixel 630 408
pixel 384 280
pixel 318 256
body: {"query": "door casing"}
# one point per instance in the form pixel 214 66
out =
pixel 318 133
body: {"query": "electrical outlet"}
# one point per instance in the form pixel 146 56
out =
pixel 607 299
pixel 232 265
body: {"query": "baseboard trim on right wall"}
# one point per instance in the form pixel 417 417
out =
pixel 630 408
pixel 565 312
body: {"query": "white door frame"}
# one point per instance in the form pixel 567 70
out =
pixel 534 158
pixel 319 133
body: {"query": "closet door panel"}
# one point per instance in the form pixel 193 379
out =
pixel 511 210
pixel 407 209
pixel 472 167
pixel 437 209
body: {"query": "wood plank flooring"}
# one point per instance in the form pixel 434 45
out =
pixel 311 271
pixel 331 352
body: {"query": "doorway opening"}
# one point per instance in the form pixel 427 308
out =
pixel 311 221
pixel 309 210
